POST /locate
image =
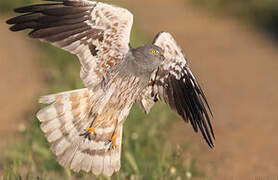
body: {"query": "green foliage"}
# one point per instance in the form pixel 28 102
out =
pixel 263 13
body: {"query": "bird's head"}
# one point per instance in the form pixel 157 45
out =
pixel 150 53
pixel 148 57
pixel 153 51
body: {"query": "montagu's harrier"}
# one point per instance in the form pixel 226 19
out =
pixel 85 126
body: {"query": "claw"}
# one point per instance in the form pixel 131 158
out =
pixel 88 132
pixel 112 142
pixel 91 130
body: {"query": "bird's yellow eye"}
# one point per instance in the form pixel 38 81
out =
pixel 153 51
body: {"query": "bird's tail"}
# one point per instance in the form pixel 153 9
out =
pixel 63 121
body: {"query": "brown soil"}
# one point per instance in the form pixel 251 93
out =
pixel 238 68
pixel 21 79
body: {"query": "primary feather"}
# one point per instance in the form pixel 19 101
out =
pixel 174 84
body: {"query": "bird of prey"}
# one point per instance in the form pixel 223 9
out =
pixel 85 126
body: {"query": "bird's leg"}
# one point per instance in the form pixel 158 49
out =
pixel 113 140
pixel 91 130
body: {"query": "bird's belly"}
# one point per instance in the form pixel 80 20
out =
pixel 116 109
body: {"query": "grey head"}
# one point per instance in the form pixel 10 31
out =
pixel 145 59
pixel 149 52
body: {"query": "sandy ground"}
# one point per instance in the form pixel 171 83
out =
pixel 238 69
pixel 21 80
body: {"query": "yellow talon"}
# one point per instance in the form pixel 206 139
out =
pixel 114 139
pixel 91 130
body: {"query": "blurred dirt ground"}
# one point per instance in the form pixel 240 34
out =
pixel 236 66
pixel 21 80
pixel 238 69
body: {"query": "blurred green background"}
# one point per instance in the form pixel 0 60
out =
pixel 262 13
pixel 158 145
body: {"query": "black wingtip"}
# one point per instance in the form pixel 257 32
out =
pixel 193 103
pixel 13 29
pixel 10 21
pixel 13 20
pixel 22 9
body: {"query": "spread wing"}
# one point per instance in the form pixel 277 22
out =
pixel 174 84
pixel 96 32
